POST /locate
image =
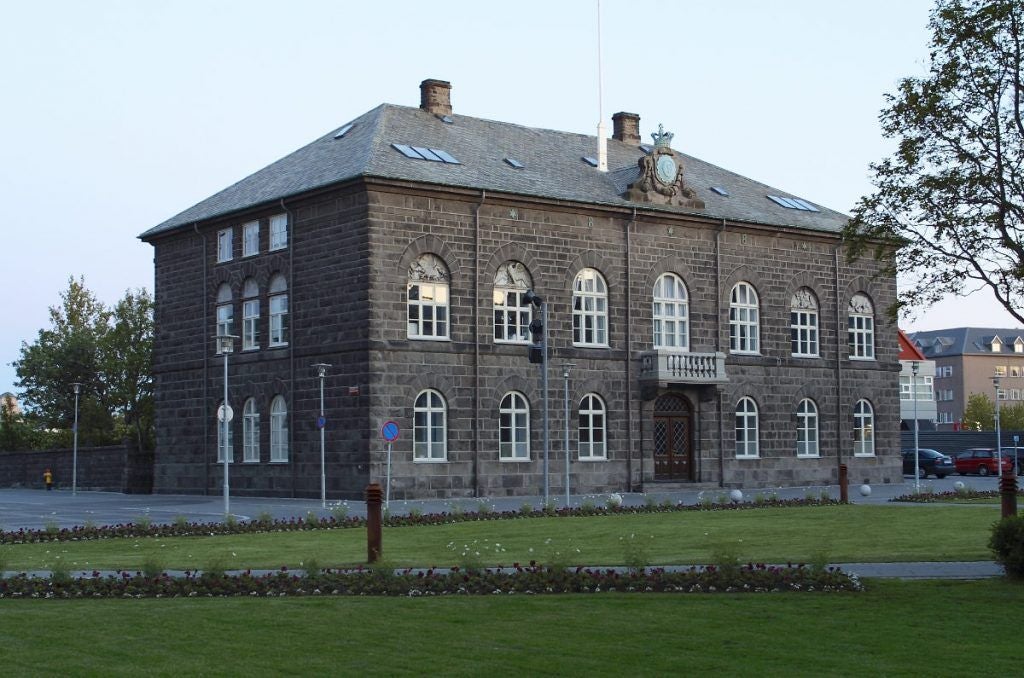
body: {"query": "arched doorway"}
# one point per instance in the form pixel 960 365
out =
pixel 673 438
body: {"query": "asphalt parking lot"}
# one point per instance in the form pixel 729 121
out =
pixel 36 509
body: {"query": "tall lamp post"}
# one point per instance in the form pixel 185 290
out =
pixel 74 450
pixel 226 345
pixel 999 442
pixel 914 367
pixel 568 455
pixel 321 423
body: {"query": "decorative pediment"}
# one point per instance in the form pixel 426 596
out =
pixel 661 177
pixel 428 268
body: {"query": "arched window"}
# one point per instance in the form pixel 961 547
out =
pixel 807 429
pixel 743 319
pixel 512 314
pixel 592 428
pixel 861 328
pixel 863 429
pixel 250 432
pixel 589 309
pixel 428 298
pixel 514 428
pixel 671 313
pixel 278 429
pixel 220 438
pixel 803 323
pixel 746 428
pixel 278 303
pixel 430 426
pixel 225 313
pixel 250 315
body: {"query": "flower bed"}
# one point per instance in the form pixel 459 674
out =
pixel 193 529
pixel 951 495
pixel 533 579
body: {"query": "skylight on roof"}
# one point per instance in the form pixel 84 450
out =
pixel 423 153
pixel 720 191
pixel 646 149
pixel 344 130
pixel 446 119
pixel 793 203
pixel 514 163
pixel 590 161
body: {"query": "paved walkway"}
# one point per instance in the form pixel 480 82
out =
pixel 36 509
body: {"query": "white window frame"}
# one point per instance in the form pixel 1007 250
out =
pixel 593 428
pixel 1000 370
pixel 225 245
pixel 430 428
pixel 514 427
pixel 747 438
pixel 224 322
pixel 278 430
pixel 803 324
pixel 807 429
pixel 250 432
pixel 220 438
pixel 250 316
pixel 278 232
pixel 861 328
pixel 428 299
pixel 251 239
pixel 512 314
pixel 590 309
pixel 744 319
pixel 277 309
pixel 671 313
pixel 863 429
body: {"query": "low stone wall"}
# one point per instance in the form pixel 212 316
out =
pixel 118 468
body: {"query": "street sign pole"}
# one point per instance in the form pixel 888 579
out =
pixel 389 432
pixel 387 490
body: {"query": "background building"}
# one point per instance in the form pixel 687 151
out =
pixel 966 359
pixel 923 406
pixel 711 328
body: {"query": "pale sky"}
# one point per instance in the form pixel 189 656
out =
pixel 118 115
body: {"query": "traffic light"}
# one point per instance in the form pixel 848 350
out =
pixel 537 348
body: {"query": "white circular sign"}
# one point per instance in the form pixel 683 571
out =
pixel 220 413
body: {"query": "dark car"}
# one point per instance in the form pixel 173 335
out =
pixel 930 462
pixel 980 460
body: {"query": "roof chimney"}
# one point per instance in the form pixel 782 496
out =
pixel 626 128
pixel 435 97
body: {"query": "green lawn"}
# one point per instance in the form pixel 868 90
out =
pixel 840 533
pixel 892 629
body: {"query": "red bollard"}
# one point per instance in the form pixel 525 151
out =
pixel 374 538
pixel 844 484
pixel 1008 490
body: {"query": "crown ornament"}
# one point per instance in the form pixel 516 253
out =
pixel 662 139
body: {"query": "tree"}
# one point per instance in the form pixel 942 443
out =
pixel 980 413
pixel 108 352
pixel 947 212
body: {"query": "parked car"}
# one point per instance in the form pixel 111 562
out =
pixel 930 462
pixel 980 460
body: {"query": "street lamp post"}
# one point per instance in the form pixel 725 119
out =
pixel 226 345
pixel 321 369
pixel 74 449
pixel 531 297
pixel 568 455
pixel 914 367
pixel 999 442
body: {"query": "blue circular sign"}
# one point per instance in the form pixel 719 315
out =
pixel 389 431
pixel 321 422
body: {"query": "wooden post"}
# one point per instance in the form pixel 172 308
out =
pixel 844 484
pixel 1008 490
pixel 374 537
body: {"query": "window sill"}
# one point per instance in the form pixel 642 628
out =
pixel 805 356
pixel 863 359
pixel 510 460
pixel 430 461
pixel 284 345
pixel 808 456
pixel 742 457
pixel 278 248
pixel 754 353
pixel 251 461
pixel 575 345
pixel 279 461
pixel 864 455
pixel 587 460
pixel 423 338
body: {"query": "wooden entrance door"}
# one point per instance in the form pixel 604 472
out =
pixel 673 438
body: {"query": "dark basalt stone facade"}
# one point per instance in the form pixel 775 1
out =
pixel 361 216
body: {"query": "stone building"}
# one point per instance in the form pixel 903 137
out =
pixel 711 329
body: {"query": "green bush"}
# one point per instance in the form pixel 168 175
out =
pixel 1007 543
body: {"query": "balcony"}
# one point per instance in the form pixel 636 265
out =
pixel 682 367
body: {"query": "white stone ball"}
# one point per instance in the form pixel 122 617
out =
pixel 865 490
pixel 615 499
pixel 958 485
pixel 736 496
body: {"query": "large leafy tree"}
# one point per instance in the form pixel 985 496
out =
pixel 947 212
pixel 107 352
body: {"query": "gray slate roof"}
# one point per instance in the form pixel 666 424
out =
pixel 964 341
pixel 552 169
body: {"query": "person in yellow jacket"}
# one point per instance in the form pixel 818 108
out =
pixel 48 479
